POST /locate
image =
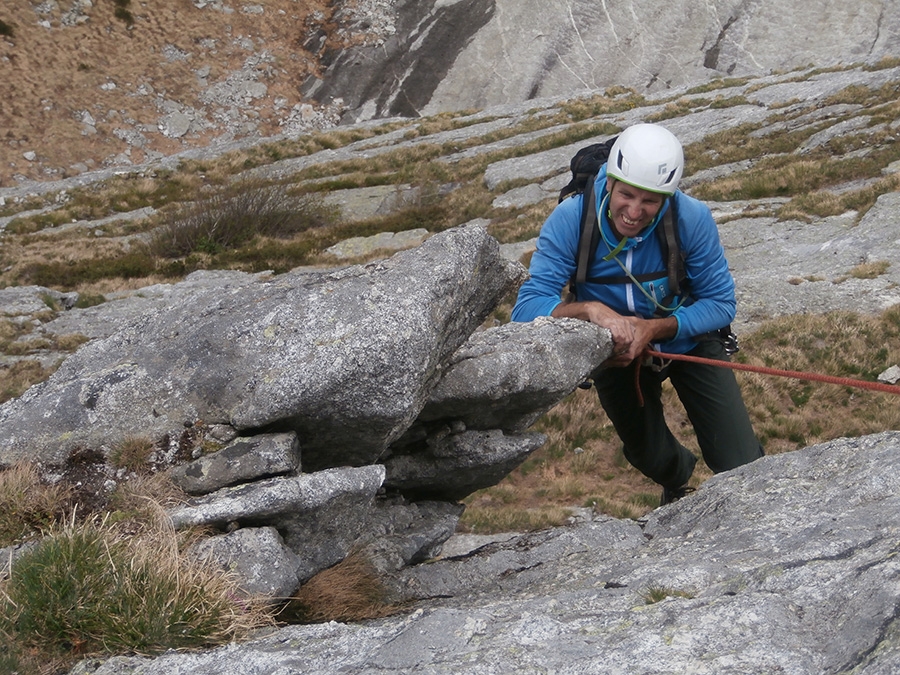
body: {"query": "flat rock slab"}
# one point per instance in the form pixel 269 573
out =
pixel 788 565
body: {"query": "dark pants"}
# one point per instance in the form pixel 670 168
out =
pixel 712 400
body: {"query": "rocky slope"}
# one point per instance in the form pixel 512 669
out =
pixel 787 564
pixel 750 586
pixel 836 131
pixel 88 84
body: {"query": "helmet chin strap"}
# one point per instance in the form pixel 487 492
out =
pixel 609 216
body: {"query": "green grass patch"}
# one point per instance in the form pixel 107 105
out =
pixel 718 83
pixel 613 100
pixel 480 519
pixel 83 590
pixel 136 264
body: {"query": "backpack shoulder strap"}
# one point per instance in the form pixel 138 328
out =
pixel 672 248
pixel 589 235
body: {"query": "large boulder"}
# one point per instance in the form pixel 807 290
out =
pixel 345 359
pixel 256 390
pixel 261 394
pixel 507 377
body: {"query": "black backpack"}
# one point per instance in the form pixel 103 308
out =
pixel 584 165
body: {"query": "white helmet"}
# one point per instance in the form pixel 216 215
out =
pixel 647 156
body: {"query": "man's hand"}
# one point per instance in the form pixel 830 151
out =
pixel 630 334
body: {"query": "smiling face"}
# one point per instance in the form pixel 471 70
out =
pixel 631 209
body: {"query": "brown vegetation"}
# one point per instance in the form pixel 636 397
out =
pixel 120 72
pixel 582 464
pixel 348 591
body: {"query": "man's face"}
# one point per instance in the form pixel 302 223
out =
pixel 631 209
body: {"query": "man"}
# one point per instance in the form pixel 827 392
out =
pixel 629 295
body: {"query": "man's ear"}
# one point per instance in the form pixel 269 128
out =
pixel 610 182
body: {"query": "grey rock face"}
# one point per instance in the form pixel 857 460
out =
pixel 507 377
pixel 258 557
pixel 401 533
pixel 23 301
pixel 279 498
pixel 320 515
pixel 808 269
pixel 428 37
pixel 478 54
pixel 344 359
pixel 241 461
pixel 784 565
pixel 453 466
pixel 358 246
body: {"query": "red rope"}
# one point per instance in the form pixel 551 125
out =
pixel 846 381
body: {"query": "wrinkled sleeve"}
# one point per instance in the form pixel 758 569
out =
pixel 552 264
pixel 711 284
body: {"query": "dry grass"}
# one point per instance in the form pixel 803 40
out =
pixel 86 590
pixel 9 331
pixel 23 256
pixel 28 506
pixel 53 75
pixel 108 582
pixel 348 591
pixel 145 495
pixel 790 414
pixel 18 377
pixel 870 270
pixel 132 454
pixel 582 463
pixel 653 594
pixel 231 217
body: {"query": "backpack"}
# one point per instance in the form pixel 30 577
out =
pixel 584 166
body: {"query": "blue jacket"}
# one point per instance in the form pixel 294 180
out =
pixel 709 306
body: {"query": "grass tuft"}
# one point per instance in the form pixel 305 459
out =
pixel 84 591
pixel 235 216
pixel 133 454
pixel 653 594
pixel 348 591
pixel 870 270
pixel 28 506
pixel 122 12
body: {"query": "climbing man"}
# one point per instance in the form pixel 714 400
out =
pixel 629 287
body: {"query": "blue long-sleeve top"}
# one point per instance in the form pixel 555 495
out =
pixel 710 302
